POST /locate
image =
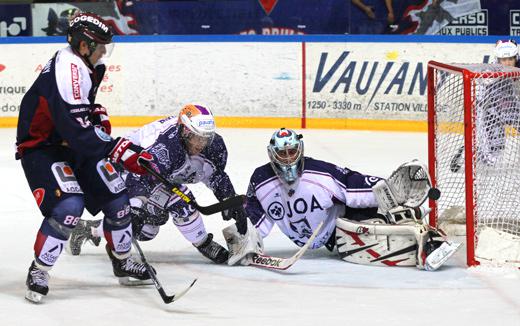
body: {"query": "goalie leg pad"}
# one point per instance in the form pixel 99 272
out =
pixel 359 243
pixel 376 243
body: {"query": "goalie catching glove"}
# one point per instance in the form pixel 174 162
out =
pixel 407 187
pixel 128 154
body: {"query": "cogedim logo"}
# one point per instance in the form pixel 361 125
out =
pixel 90 19
pixel 13 28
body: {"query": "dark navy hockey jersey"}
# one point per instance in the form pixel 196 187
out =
pixel 56 110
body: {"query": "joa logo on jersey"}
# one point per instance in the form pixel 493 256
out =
pixel 276 209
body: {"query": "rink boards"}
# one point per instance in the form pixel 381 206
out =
pixel 301 81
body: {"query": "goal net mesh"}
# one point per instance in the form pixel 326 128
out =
pixel 492 105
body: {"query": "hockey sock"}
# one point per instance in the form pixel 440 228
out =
pixel 55 230
pixel 117 226
pixel 192 228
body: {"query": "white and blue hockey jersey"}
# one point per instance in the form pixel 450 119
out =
pixel 321 194
pixel 161 139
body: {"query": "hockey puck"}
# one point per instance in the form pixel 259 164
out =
pixel 434 193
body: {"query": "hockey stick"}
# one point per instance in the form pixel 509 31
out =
pixel 166 298
pixel 277 263
pixel 205 210
pixel 457 160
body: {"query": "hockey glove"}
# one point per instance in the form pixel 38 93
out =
pixel 236 213
pixel 127 153
pixel 99 117
pixel 239 215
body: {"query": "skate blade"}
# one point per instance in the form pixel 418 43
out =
pixel 33 297
pixel 128 281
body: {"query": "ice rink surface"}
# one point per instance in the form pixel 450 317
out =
pixel 318 289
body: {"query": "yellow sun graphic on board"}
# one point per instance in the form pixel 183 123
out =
pixel 392 55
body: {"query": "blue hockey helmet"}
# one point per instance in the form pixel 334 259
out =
pixel 285 152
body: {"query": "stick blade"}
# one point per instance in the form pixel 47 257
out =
pixel 172 298
pixel 276 263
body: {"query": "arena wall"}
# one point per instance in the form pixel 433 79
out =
pixel 344 82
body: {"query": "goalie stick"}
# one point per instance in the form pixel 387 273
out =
pixel 166 298
pixel 276 263
pixel 205 210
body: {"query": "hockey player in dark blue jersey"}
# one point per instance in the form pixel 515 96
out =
pixel 63 143
pixel 186 150
pixel 369 219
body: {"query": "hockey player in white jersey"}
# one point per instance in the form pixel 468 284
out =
pixel 497 105
pixel 506 53
pixel 369 219
pixel 186 150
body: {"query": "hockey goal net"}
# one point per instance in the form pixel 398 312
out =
pixel 474 157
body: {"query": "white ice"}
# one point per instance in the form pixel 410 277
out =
pixel 318 289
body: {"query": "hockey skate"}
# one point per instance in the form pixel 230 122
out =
pixel 37 283
pixel 129 272
pixel 212 250
pixel 81 234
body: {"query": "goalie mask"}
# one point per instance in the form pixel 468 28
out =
pixel 285 152
pixel 196 127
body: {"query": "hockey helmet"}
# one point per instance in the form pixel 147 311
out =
pixel 90 28
pixel 196 125
pixel 506 49
pixel 285 152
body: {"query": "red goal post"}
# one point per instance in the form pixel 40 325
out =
pixel 472 148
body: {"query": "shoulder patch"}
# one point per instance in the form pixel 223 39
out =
pixel 102 135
